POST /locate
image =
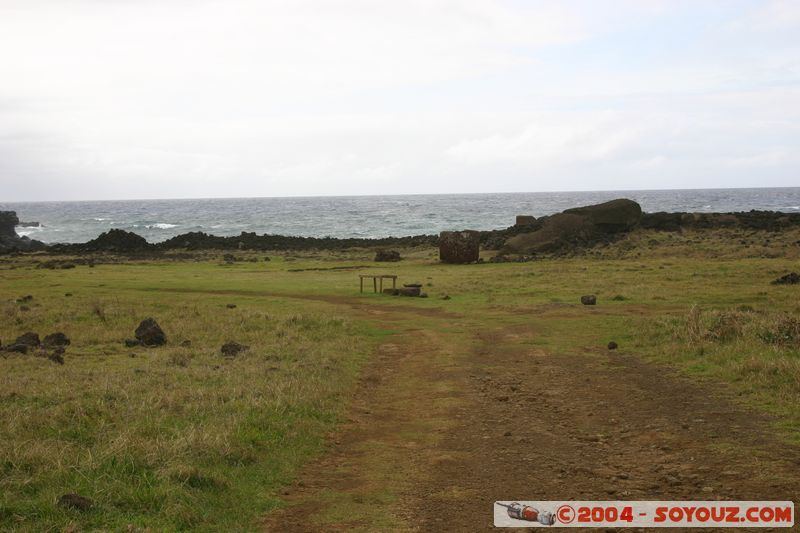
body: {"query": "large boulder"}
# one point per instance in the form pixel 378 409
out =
pixel 10 241
pixel 149 333
pixel 557 232
pixel 611 217
pixel 459 247
pixel 118 240
pixel 8 221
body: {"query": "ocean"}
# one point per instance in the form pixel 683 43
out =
pixel 358 216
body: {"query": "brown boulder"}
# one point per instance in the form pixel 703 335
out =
pixel 55 340
pixel 611 217
pixel 232 349
pixel 149 333
pixel 459 247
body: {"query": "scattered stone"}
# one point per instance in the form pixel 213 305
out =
pixel 391 291
pixel 409 290
pixel 266 258
pixel 789 279
pixel 149 333
pixel 75 501
pixel 612 345
pixel 232 349
pixel 589 299
pixel 186 344
pixel 29 339
pixel 55 340
pixel 67 294
pixel 25 299
pixel 57 356
pixel 231 306
pixel 130 343
pixel 387 256
pixel 459 247
pixel 16 348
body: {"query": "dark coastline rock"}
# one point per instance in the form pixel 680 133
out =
pixel 117 240
pixel 10 241
pixel 149 333
pixel 459 247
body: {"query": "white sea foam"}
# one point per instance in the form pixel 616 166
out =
pixel 161 225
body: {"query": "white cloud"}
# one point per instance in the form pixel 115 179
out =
pixel 244 98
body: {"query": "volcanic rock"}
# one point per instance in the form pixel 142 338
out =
pixel 789 279
pixel 118 240
pixel 589 299
pixel 29 339
pixel 232 349
pixel 75 501
pixel 459 247
pixel 149 333
pixel 611 217
pixel 55 340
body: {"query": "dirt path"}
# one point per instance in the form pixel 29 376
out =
pixel 450 418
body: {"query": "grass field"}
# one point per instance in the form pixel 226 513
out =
pixel 181 438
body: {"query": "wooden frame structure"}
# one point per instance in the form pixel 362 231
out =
pixel 376 281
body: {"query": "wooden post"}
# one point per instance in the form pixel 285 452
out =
pixel 361 280
pixel 374 284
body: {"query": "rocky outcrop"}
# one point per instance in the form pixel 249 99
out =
pixel 10 241
pixel 117 240
pixel 611 217
pixel 149 333
pixel 459 247
pixel 579 227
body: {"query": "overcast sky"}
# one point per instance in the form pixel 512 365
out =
pixel 104 99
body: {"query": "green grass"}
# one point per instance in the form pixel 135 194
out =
pixel 171 438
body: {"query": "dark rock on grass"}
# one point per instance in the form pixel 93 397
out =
pixel 29 339
pixel 266 258
pixel 409 291
pixel 149 333
pixel 391 291
pixel 789 279
pixel 16 348
pixel 75 501
pixel 612 345
pixel 446 297
pixel 231 306
pixel 459 247
pixel 387 256
pixel 232 349
pixel 130 343
pixel 68 294
pixel 24 308
pixel 24 299
pixel 55 340
pixel 57 356
pixel 589 299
